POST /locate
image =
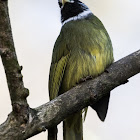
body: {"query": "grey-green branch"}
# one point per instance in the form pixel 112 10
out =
pixel 24 122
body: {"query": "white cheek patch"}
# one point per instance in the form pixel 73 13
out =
pixel 79 16
pixel 70 1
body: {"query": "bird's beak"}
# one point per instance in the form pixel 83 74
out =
pixel 64 1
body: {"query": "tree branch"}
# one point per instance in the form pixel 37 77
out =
pixel 85 94
pixel 18 92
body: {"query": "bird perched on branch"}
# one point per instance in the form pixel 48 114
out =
pixel 83 49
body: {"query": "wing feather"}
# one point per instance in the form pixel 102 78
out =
pixel 56 74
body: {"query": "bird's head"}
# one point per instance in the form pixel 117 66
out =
pixel 73 10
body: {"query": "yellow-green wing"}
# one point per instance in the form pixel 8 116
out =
pixel 56 75
pixel 60 58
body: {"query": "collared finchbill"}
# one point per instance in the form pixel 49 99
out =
pixel 83 49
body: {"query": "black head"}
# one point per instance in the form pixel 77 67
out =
pixel 71 8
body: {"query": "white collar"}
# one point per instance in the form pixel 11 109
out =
pixel 79 16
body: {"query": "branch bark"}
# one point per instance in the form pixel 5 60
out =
pixel 18 92
pixel 24 122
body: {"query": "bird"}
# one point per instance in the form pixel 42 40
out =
pixel 83 49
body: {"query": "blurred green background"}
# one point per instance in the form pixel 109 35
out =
pixel 36 25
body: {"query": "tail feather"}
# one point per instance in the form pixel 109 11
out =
pixel 52 133
pixel 101 107
pixel 73 127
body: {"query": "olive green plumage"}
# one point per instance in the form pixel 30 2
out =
pixel 82 49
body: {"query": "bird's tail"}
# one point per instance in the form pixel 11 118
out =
pixel 73 127
pixel 52 133
pixel 101 107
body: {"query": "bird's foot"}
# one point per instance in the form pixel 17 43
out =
pixel 85 79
